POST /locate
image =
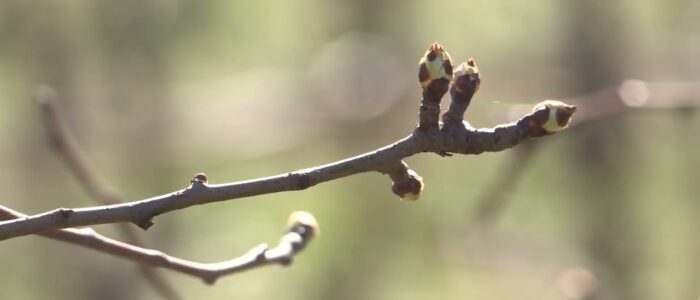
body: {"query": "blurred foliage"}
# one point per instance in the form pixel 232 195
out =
pixel 159 90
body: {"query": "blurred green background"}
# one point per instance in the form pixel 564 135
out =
pixel 159 90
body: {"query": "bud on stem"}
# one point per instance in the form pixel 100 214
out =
pixel 410 188
pixel 303 223
pixel 434 65
pixel 434 76
pixel 465 83
pixel 549 117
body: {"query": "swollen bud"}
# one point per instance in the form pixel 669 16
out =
pixel 410 188
pixel 435 64
pixel 199 178
pixel 552 116
pixel 303 223
pixel 466 77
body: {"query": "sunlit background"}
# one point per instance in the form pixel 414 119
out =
pixel 156 91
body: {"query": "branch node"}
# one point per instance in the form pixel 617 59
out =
pixel 303 180
pixel 145 223
pixel 65 212
pixel 199 178
pixel 258 252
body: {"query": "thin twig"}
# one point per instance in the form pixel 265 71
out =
pixel 301 230
pixel 461 140
pixel 63 142
pixel 547 118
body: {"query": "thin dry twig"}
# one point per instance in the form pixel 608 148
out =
pixel 302 228
pixel 453 136
pixel 63 142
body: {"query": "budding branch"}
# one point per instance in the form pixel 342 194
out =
pixel 297 237
pixel 452 136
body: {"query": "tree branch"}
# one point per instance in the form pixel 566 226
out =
pixel 302 228
pixel 546 118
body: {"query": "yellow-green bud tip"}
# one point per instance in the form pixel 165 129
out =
pixel 304 218
pixel 410 189
pixel 552 115
pixel 466 77
pixel 435 64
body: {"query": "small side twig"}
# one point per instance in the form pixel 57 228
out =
pixel 63 142
pixel 302 228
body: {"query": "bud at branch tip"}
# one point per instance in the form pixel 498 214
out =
pixel 466 77
pixel 306 219
pixel 552 116
pixel 434 65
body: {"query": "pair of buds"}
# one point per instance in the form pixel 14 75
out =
pixel 436 65
pixel 436 76
pixel 435 69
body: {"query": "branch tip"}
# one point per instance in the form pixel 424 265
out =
pixel 434 76
pixel 465 84
pixel 65 212
pixel 435 64
pixel 550 116
pixel 304 224
pixel 467 78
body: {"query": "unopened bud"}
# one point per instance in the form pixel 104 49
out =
pixel 199 178
pixel 466 77
pixel 305 220
pixel 434 65
pixel 409 189
pixel 552 116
